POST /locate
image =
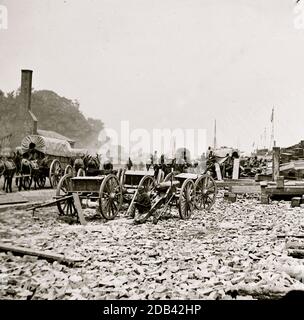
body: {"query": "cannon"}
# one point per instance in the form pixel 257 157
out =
pixel 131 181
pixel 186 191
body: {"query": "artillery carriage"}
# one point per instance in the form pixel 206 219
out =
pixel 131 181
pixel 186 191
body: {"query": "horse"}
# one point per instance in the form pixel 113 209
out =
pixel 36 173
pixel 8 169
pixel 92 165
pixel 25 172
pixel 78 164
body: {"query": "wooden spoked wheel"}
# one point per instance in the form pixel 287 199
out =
pixel 205 192
pixel 68 169
pixel 110 197
pixel 80 172
pixel 186 199
pixel 55 173
pixel 65 207
pixel 147 183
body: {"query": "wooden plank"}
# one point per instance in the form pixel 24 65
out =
pixel 245 189
pixel 288 191
pixel 275 163
pixel 236 169
pixel 79 209
pixel 49 255
pixel 299 254
pixel 218 172
pixel 281 236
pixel 139 173
pixel 287 166
pixel 280 182
pixel 262 177
pixel 88 178
pixel 238 182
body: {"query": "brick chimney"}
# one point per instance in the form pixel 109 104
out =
pixel 26 88
pixel 26 94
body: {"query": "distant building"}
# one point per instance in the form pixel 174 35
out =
pixel 26 122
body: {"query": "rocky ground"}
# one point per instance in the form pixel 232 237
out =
pixel 230 252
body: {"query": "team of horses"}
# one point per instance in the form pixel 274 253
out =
pixel 29 171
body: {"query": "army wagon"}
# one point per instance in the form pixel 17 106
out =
pixel 105 190
pixel 54 157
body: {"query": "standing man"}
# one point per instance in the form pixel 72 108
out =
pixel 129 164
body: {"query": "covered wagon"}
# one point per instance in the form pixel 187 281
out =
pixel 54 157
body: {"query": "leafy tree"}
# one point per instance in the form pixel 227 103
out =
pixel 54 113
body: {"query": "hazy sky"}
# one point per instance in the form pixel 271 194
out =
pixel 165 63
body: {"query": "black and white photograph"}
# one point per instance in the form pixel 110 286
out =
pixel 152 150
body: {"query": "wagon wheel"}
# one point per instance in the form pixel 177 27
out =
pixel 110 197
pixel 68 169
pixel 41 181
pixel 186 199
pixel 55 173
pixel 80 172
pixel 64 188
pixel 205 192
pixel 148 183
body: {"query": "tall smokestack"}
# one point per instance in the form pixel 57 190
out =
pixel 26 89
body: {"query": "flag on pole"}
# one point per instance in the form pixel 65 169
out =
pixel 272 115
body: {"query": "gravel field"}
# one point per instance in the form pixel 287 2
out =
pixel 231 252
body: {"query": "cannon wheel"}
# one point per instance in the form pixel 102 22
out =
pixel 110 197
pixel 80 172
pixel 148 183
pixel 68 169
pixel 55 173
pixel 186 199
pixel 64 188
pixel 205 192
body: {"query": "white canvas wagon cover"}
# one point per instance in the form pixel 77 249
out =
pixel 48 146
